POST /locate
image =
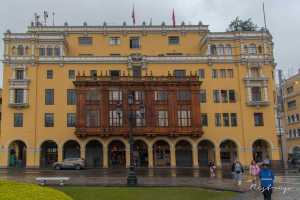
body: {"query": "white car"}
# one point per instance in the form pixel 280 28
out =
pixel 70 163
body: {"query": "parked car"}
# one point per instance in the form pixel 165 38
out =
pixel 70 163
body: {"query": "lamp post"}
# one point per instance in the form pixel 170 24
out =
pixel 132 115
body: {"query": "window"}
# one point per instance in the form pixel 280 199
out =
pixel 224 96
pixel 291 104
pixel 19 96
pixel 136 71
pixel 71 119
pixel 57 51
pixel 252 49
pixel 139 118
pixel 183 95
pixel 217 96
pixel 49 51
pixel 85 41
pixel 213 50
pixel 201 73
pixel 115 118
pixel 92 119
pixel 93 73
pixel 204 119
pixel 18 119
pixel 161 95
pixel 49 74
pixel 71 96
pixel 229 73
pixel 179 73
pixel 231 95
pixel 202 96
pixel 20 50
pixel 256 94
pixel 297 117
pixel 292 118
pixel 71 74
pixel 259 49
pixel 114 73
pixel 222 73
pixel 162 118
pixel 92 95
pixel 42 51
pixel 233 119
pixel 214 74
pixel 184 118
pixel 13 50
pixel 258 119
pixel 115 41
pixel 49 120
pixel 173 40
pixel 225 119
pixel 228 50
pixel 19 74
pixel 220 50
pixel 49 96
pixel 134 42
pixel 218 119
pixel 115 95
pixel 290 89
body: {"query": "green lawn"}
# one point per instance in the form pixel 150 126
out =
pixel 10 190
pixel 143 193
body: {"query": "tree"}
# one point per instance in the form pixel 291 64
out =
pixel 242 25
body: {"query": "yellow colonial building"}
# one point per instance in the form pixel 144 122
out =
pixel 197 95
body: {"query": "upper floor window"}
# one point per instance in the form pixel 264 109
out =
pixel 49 74
pixel 162 117
pixel 13 51
pixel 18 119
pixel 214 74
pixel 115 41
pixel 222 73
pixel 71 96
pixel 115 95
pixel 260 50
pixel 183 95
pixel 218 119
pixel 92 119
pixel 213 50
pixel 204 119
pixel 255 72
pixel 139 118
pixel 115 118
pixel 173 39
pixel 136 71
pixel 184 118
pixel 85 40
pixel 291 104
pixel 49 51
pixel 290 89
pixel 134 42
pixel 256 94
pixel 220 50
pixel 20 74
pixel 71 119
pixel 202 96
pixel 71 74
pixel 93 95
pixel 201 73
pixel 229 73
pixel 42 51
pixel 49 120
pixel 93 73
pixel 19 96
pixel 258 119
pixel 228 50
pixel 135 96
pixel 49 96
pixel 179 73
pixel 20 50
pixel 57 51
pixel 252 49
pixel 114 73
pixel 161 95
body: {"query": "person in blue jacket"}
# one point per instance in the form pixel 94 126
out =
pixel 266 181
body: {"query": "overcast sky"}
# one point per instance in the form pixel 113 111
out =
pixel 283 17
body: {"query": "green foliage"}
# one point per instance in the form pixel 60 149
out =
pixel 242 25
pixel 10 190
pixel 144 193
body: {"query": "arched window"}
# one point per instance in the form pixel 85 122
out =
pixel 220 50
pixel 13 50
pixel 260 49
pixel 213 49
pixel 228 50
pixel 26 50
pixel 20 50
pixel 42 51
pixel 57 51
pixel 49 51
pixel 252 49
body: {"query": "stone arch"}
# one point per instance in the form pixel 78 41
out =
pixel 94 154
pixel 261 150
pixel 206 152
pixel 17 154
pixel 71 149
pixel 117 153
pixel 48 153
pixel 161 153
pixel 184 153
pixel 228 152
pixel 140 153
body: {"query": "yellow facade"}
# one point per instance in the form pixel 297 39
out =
pixel 194 51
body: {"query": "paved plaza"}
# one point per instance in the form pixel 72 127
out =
pixel 288 181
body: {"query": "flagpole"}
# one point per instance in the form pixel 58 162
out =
pixel 265 22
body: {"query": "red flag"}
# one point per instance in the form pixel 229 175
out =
pixel 133 16
pixel 173 18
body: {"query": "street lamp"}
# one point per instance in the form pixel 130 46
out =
pixel 132 115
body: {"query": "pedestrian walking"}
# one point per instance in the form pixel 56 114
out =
pixel 212 168
pixel 266 181
pixel 254 170
pixel 237 170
